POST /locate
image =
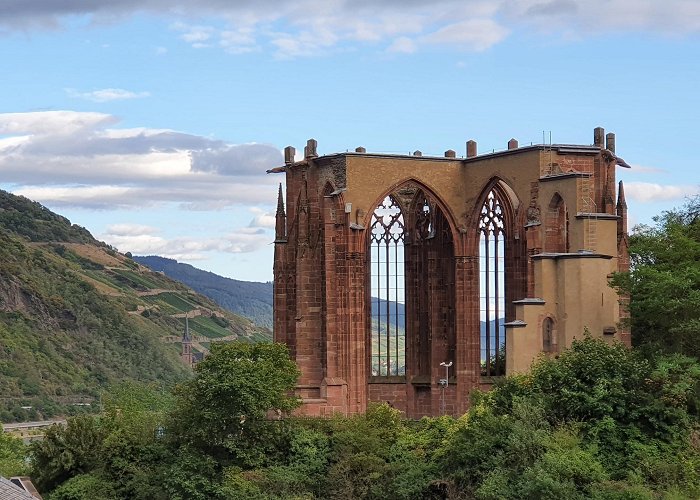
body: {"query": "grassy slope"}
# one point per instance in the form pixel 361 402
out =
pixel 76 316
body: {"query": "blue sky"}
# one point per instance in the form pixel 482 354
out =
pixel 152 122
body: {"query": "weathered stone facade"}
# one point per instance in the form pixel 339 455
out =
pixel 563 235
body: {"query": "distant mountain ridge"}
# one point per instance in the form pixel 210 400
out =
pixel 251 299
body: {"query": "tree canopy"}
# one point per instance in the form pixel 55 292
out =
pixel 600 421
pixel 235 387
pixel 664 281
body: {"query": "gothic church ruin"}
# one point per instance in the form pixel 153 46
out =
pixel 414 280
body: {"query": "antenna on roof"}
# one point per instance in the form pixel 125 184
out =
pixel 548 149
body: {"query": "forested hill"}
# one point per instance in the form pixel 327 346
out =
pixel 77 316
pixel 248 298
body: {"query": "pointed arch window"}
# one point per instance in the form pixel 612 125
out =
pixel 492 284
pixel 388 289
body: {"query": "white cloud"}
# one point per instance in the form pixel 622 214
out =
pixel 671 17
pixel 131 230
pixel 213 195
pixel 647 170
pixel 403 44
pixel 67 158
pixel 197 34
pixel 53 122
pixel 472 34
pixel 106 95
pixel 262 219
pixel 127 238
pixel 143 244
pixel 295 28
pixel 650 192
pixel 96 197
pixel 238 41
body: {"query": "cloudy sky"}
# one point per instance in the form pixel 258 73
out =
pixel 152 122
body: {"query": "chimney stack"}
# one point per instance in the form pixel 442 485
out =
pixel 289 153
pixel 599 137
pixel 610 142
pixel 310 149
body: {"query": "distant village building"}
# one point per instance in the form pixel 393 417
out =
pixel 415 280
pixel 188 356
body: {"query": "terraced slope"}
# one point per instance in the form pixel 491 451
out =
pixel 250 299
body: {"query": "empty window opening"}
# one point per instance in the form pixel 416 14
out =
pixel 424 222
pixel 492 286
pixel 388 336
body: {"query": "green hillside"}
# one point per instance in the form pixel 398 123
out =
pixel 77 316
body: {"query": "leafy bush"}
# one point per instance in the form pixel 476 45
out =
pixel 85 487
pixel 13 454
pixel 624 432
pixel 67 451
pixel 664 282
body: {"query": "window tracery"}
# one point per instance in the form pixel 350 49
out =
pixel 387 235
pixel 492 285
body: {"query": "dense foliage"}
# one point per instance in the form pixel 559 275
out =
pixel 34 221
pixel 598 422
pixel 152 444
pixel 664 283
pixel 12 456
pixel 247 298
pixel 228 400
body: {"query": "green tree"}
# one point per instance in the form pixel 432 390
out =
pixel 600 421
pixel 67 451
pixel 85 487
pixel 123 448
pixel 13 454
pixel 134 451
pixel 664 282
pixel 223 410
pixel 560 467
pixel 139 409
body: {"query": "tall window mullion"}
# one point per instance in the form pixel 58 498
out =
pixel 388 309
pixel 394 298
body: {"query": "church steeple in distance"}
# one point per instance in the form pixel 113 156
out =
pixel 186 355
